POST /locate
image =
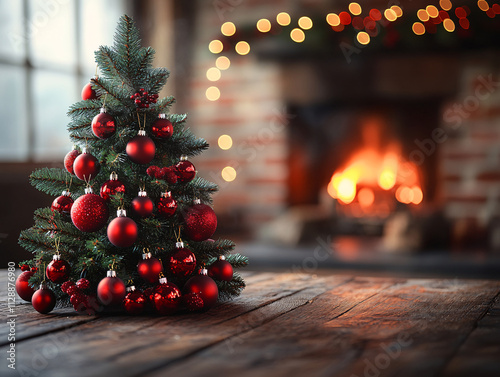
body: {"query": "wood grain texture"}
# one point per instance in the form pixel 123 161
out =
pixel 284 324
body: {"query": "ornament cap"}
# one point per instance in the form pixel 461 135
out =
pixel 203 271
pixel 183 157
pixel 66 193
pixel 85 150
pixel 142 193
pixel 179 245
pixel 146 256
pixel 121 213
pixel 162 116
pixel 56 257
pixel 88 190
pixel 162 281
pixel 43 285
pixel 166 194
pixel 113 176
pixel 222 257
pixel 141 133
pixel 131 288
pixel 111 274
pixel 103 110
pixel 196 201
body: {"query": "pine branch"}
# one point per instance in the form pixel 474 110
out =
pixel 157 78
pixel 230 289
pixel 54 181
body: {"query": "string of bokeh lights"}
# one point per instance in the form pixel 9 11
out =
pixel 429 18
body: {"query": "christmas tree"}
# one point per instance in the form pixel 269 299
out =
pixel 133 211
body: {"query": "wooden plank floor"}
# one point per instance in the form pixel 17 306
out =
pixel 284 324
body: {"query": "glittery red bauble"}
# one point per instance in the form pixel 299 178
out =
pixel 69 160
pixel 185 171
pixel 221 270
pixel 162 128
pixel 89 213
pixel 58 271
pixel 166 206
pixel 43 300
pixel 193 302
pixel 205 287
pixel 134 302
pixel 111 187
pixel 62 204
pixel 166 298
pixel 142 206
pixel 149 269
pixel 82 284
pixel 88 92
pixel 86 166
pixel 141 149
pixel 122 231
pixel 182 263
pixel 111 291
pixel 200 222
pixel 103 125
pixel 22 287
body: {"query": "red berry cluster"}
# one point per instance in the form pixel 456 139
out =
pixel 167 173
pixel 193 302
pixel 80 301
pixel 25 267
pixel 142 99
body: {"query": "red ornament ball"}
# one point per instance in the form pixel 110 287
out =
pixel 205 287
pixel 63 203
pixel 58 270
pixel 103 125
pixel 162 127
pixel 122 230
pixel 149 268
pixel 23 288
pixel 88 92
pixel 185 170
pixel 221 270
pixel 166 297
pixel 142 206
pixel 69 160
pixel 134 302
pixel 86 166
pixel 166 205
pixel 111 290
pixel 141 149
pixel 111 187
pixel 89 213
pixel 83 284
pixel 182 262
pixel 200 222
pixel 43 300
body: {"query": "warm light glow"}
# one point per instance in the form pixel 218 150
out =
pixel 418 196
pixel 483 5
pixel 355 9
pixel 212 93
pixel 423 15
pixel 263 25
pixel 387 178
pixel 297 35
pixel 228 174
pixel 404 194
pixel 228 29
pixel 363 38
pixel 375 14
pixel 390 15
pixel 225 142
pixel 346 190
pixel 305 23
pixel 333 19
pixel 213 74
pixel 242 48
pixel 283 19
pixel 445 4
pixel 432 11
pixel 418 28
pixel 398 10
pixel 366 197
pixel 223 63
pixel 449 25
pixel 215 46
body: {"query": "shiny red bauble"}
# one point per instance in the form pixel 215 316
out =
pixel 134 302
pixel 86 166
pixel 200 221
pixel 221 270
pixel 89 212
pixel 166 205
pixel 141 149
pixel 43 300
pixel 142 205
pixel 23 288
pixel 88 92
pixel 185 170
pixel 103 125
pixel 69 159
pixel 162 127
pixel 111 187
pixel 182 262
pixel 122 230
pixel 166 298
pixel 149 268
pixel 63 203
pixel 111 290
pixel 58 270
pixel 205 287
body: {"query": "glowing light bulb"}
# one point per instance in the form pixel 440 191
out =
pixel 363 37
pixel 297 35
pixel 225 142
pixel 223 63
pixel 228 29
pixel 228 174
pixel 242 48
pixel 283 19
pixel 418 28
pixel 263 25
pixel 215 46
pixel 355 9
pixel 305 23
pixel 212 93
pixel 213 74
pixel 333 19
